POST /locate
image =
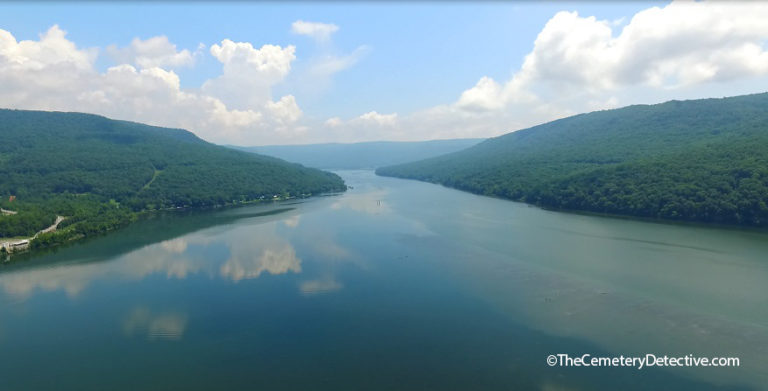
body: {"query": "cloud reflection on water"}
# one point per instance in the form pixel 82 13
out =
pixel 320 286
pixel 244 265
pixel 163 326
pixel 177 246
pixel 292 221
pixel 236 253
pixel 371 202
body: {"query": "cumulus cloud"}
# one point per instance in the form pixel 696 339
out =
pixel 52 73
pixel 236 107
pixel 153 52
pixel 318 31
pixel 485 95
pixel 680 44
pixel 373 117
pixel 580 64
pixel 285 111
pixel 52 49
pixel 670 48
pixel 248 74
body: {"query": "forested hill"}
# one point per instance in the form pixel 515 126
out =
pixel 700 160
pixel 362 155
pixel 97 171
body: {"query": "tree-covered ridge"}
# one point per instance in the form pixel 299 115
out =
pixel 99 172
pixel 700 160
pixel 364 155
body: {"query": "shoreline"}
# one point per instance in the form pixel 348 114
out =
pixel 19 244
pixel 657 220
pixel 29 247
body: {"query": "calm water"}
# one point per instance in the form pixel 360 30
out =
pixel 395 285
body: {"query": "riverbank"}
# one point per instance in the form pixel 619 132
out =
pixel 587 212
pixel 12 245
pixel 74 229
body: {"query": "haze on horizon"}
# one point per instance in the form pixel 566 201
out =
pixel 297 73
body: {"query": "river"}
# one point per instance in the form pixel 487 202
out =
pixel 394 285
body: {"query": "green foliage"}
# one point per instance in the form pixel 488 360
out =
pixel 100 172
pixel 26 223
pixel 702 160
pixel 362 155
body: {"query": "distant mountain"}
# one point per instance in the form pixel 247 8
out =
pixel 361 155
pixel 99 172
pixel 700 160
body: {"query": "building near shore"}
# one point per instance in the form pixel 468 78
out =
pixel 19 245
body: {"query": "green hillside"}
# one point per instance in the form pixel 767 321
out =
pixel 99 172
pixel 700 160
pixel 364 155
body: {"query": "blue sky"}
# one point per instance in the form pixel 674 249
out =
pixel 408 58
pixel 439 47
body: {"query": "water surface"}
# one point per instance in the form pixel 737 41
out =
pixel 394 285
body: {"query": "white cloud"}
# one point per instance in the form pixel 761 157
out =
pixel 329 64
pixel 485 95
pixel 580 64
pixel 314 76
pixel 153 52
pixel 285 111
pixel 52 73
pixel 370 126
pixel 365 127
pixel 678 45
pixel 321 32
pixel 248 74
pixel 333 122
pixel 378 119
pixel 577 64
pixel 53 49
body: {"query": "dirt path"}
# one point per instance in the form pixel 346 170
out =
pixel 17 244
pixel 52 228
pixel 154 176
